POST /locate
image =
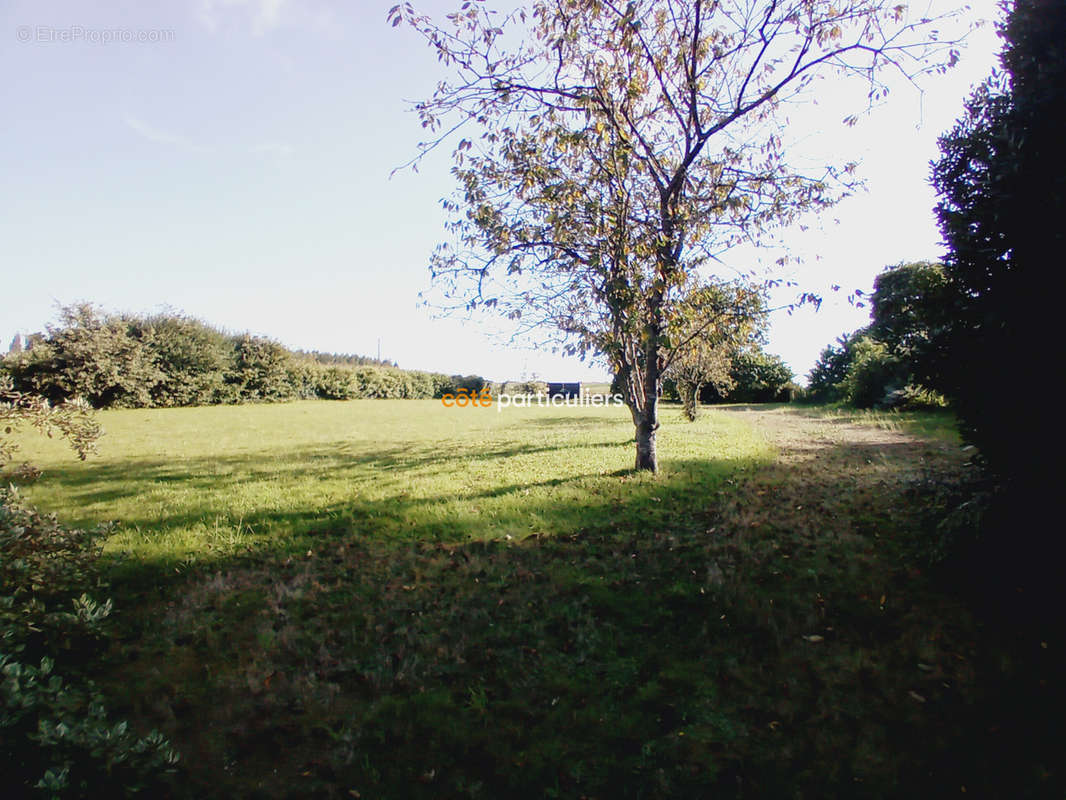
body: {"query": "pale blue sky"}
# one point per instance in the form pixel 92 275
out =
pixel 236 167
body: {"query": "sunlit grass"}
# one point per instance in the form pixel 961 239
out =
pixel 200 482
pixel 941 425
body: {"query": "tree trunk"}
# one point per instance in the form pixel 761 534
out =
pixel 646 457
pixel 690 399
pixel 647 422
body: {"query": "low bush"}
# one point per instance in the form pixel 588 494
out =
pixel 56 739
pixel 916 398
pixel 873 376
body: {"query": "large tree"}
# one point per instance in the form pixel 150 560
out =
pixel 1001 178
pixel 615 148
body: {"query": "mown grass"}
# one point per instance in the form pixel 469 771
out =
pixel 195 484
pixel 393 599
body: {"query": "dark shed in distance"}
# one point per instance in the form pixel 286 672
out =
pixel 566 390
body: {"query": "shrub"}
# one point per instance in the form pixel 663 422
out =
pixel 191 355
pixel 55 735
pixel 169 359
pixel 302 377
pixel 260 368
pixel 873 375
pixel 759 378
pixel 418 385
pixel 916 398
pixel 72 421
pixel 523 388
pixel 335 383
pixel 442 385
pixel 88 356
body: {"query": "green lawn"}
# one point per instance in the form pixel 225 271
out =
pixel 199 483
pixel 395 599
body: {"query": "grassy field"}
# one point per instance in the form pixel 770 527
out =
pixel 395 599
pixel 201 483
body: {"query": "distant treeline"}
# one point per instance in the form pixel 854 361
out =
pixel 346 359
pixel 169 359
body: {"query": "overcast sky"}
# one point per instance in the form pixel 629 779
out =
pixel 231 159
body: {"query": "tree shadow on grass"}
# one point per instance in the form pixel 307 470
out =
pixel 728 628
pixel 110 481
pixel 344 657
pixel 609 499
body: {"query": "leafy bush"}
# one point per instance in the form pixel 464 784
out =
pixel 418 385
pixel 442 384
pixel 260 368
pixel 524 387
pixel 472 383
pixel 303 376
pixel 72 421
pixel 916 398
pixel 192 356
pixel 759 378
pixel 55 735
pixel 873 375
pixel 335 383
pixel 88 356
pixel 371 382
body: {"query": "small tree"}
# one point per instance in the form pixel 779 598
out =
pixel 619 147
pixel 910 312
pixel 715 322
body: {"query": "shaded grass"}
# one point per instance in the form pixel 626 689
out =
pixel 389 600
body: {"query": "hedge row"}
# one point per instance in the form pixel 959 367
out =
pixel 173 360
